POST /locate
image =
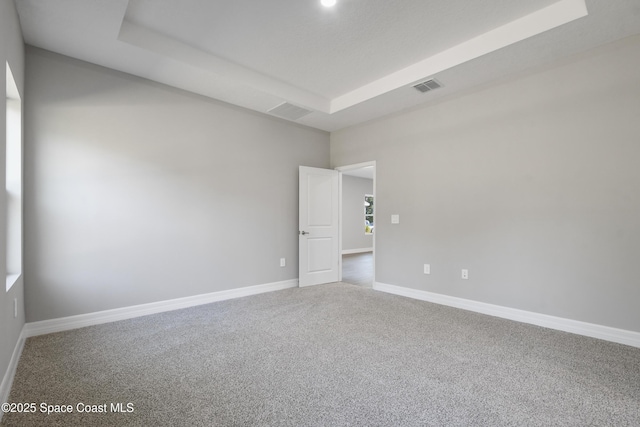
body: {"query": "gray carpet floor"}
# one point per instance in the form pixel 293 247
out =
pixel 330 355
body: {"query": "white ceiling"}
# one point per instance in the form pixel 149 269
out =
pixel 349 64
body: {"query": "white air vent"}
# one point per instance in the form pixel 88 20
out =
pixel 289 111
pixel 427 86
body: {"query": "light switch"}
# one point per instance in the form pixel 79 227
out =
pixel 395 219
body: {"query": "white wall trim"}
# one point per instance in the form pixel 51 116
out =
pixel 606 333
pixel 73 322
pixel 7 381
pixel 356 166
pixel 356 251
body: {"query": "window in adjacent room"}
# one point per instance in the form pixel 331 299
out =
pixel 13 180
pixel 368 214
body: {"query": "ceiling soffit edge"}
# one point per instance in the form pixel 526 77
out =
pixel 545 19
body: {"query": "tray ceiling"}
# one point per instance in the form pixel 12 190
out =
pixel 347 64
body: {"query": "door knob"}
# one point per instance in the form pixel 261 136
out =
pixel 304 233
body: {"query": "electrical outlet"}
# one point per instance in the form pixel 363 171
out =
pixel 283 262
pixel 465 273
pixel 427 269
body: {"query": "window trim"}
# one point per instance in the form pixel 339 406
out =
pixel 14 181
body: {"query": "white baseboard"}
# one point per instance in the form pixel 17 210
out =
pixel 356 251
pixel 607 333
pixel 7 381
pixel 79 321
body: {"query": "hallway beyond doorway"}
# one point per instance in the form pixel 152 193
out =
pixel 357 269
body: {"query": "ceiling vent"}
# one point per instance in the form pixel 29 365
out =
pixel 289 111
pixel 428 86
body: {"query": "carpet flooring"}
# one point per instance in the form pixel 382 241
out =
pixel 329 355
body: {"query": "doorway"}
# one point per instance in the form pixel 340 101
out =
pixel 357 223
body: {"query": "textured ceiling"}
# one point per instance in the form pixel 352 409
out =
pixel 348 64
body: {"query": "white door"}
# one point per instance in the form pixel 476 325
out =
pixel 319 247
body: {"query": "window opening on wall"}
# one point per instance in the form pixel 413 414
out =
pixel 368 214
pixel 13 180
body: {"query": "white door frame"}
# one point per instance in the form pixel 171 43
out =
pixel 348 168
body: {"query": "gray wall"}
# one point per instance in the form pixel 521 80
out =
pixel 137 192
pixel 11 51
pixel 353 191
pixel 533 184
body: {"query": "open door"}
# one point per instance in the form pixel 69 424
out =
pixel 319 233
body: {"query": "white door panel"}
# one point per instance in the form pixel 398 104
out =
pixel 319 226
pixel 319 254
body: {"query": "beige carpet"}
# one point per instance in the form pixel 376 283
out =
pixel 331 355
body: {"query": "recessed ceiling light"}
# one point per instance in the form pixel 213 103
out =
pixel 328 3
